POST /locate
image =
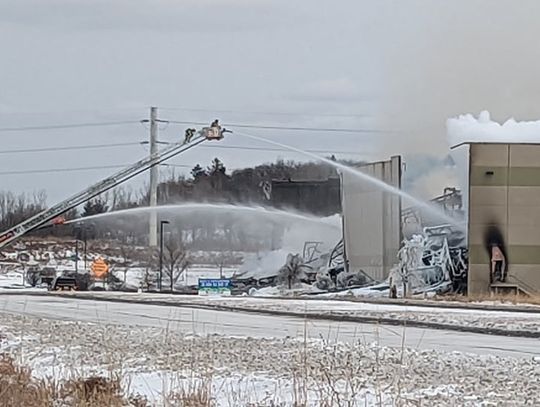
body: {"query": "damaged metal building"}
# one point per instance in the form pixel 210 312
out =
pixel 319 197
pixel 372 219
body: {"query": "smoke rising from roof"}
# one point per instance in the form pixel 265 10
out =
pixel 451 57
pixel 467 128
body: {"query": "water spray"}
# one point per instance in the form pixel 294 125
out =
pixel 359 174
pixel 259 210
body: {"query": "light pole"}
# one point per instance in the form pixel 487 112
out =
pixel 81 233
pixel 163 222
pixel 85 247
pixel 76 255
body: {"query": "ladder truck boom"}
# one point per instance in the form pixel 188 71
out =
pixel 215 132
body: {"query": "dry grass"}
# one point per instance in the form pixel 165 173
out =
pixel 93 391
pixel 197 394
pixel 19 388
pixel 326 373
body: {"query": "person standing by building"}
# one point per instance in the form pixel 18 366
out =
pixel 498 264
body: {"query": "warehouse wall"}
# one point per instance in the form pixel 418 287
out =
pixel 319 197
pixel 504 195
pixel 372 219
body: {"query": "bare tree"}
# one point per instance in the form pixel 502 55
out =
pixel 293 271
pixel 223 258
pixel 16 208
pixel 175 260
pixel 122 198
pixel 147 279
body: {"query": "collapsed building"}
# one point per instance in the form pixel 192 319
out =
pixel 431 257
pixel 377 238
pixel 385 245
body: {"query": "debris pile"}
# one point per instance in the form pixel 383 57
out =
pixel 293 271
pixel 433 261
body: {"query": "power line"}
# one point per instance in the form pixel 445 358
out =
pixel 113 145
pixel 265 113
pixel 279 149
pixel 73 169
pixel 239 125
pixel 68 148
pixel 66 126
pixel 267 148
pixel 267 127
pixel 49 170
pixel 177 165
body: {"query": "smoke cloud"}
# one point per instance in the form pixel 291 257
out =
pixel 445 58
pixel 467 128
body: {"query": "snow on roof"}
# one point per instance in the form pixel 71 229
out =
pixel 469 129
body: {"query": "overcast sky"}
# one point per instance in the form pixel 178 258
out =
pixel 397 67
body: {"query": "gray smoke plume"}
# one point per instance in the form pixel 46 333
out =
pixel 442 58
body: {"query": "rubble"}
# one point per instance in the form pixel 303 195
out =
pixel 293 271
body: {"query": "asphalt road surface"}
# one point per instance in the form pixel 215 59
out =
pixel 199 321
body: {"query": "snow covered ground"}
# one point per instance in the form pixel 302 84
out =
pixel 190 277
pixel 192 274
pixel 12 279
pixel 243 370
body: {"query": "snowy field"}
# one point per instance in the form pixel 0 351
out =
pixel 190 277
pixel 163 350
pixel 11 280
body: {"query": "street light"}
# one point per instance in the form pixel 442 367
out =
pixel 163 222
pixel 81 233
pixel 76 255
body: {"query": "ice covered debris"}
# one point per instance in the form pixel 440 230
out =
pixel 434 261
pixel 293 271
pixel 467 128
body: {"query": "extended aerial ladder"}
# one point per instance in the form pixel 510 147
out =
pixel 193 139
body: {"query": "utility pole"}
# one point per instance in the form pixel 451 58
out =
pixel 152 237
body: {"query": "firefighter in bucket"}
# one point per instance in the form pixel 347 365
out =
pixel 213 132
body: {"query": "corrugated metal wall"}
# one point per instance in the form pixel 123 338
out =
pixel 372 219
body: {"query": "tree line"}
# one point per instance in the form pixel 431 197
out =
pixel 210 184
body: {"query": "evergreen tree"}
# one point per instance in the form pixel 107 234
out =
pixel 217 167
pixel 197 172
pixel 95 206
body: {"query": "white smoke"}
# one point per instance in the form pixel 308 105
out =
pixel 467 128
pixel 433 183
pixel 266 264
pixel 296 235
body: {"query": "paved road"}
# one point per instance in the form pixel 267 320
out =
pixel 262 326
